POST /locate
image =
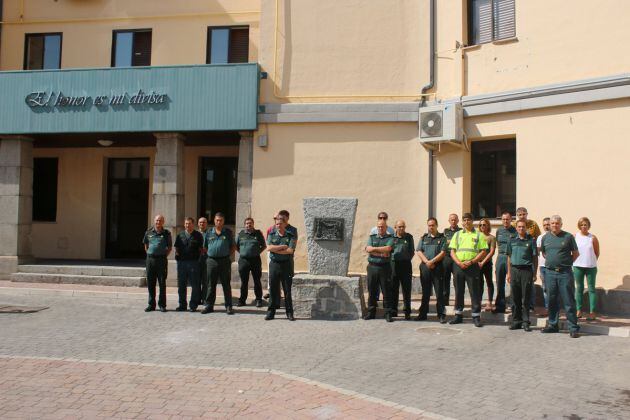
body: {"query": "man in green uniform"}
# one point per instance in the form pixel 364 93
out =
pixel 432 248
pixel 522 257
pixel 504 234
pixel 188 244
pixel 281 246
pixel 158 244
pixel 534 231
pixel 447 262
pixel 202 224
pixel 468 246
pixel 219 243
pixel 402 255
pixel 379 271
pixel 249 244
pixel 560 250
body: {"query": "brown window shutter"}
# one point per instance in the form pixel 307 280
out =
pixel 238 51
pixel 480 21
pixel 504 19
pixel 141 55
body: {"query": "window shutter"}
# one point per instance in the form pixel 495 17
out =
pixel 481 21
pixel 141 55
pixel 504 19
pixel 238 51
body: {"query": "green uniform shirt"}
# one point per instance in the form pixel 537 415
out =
pixel 403 248
pixel 557 249
pixel 287 239
pixel 468 244
pixel 503 237
pixel 158 242
pixel 522 251
pixel 218 246
pixel 188 246
pixel 378 241
pixel 448 235
pixel 431 246
pixel 250 244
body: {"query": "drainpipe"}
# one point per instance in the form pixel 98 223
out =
pixel 425 88
pixel 1 6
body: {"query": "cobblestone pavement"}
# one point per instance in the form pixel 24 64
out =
pixel 462 372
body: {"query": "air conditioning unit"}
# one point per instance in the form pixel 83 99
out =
pixel 442 123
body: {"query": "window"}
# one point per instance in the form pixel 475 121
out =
pixel 217 188
pixel 45 189
pixel 493 177
pixel 490 20
pixel 42 51
pixel 228 45
pixel 131 48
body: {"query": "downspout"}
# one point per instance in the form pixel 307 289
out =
pixel 1 7
pixel 425 88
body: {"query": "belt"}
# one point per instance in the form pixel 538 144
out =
pixel 380 264
pixel 502 253
pixel 156 257
pixel 219 258
pixel 522 267
pixel 558 269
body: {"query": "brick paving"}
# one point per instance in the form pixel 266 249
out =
pixel 462 372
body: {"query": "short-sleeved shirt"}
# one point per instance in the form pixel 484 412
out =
pixel 558 249
pixel 158 243
pixel 403 248
pixel 448 234
pixel 468 244
pixel 532 228
pixel 503 238
pixel 287 239
pixel 390 231
pixel 188 245
pixel 431 246
pixel 378 241
pixel 522 250
pixel 289 228
pixel 219 245
pixel 250 244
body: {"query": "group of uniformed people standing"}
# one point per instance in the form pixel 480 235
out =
pixel 467 253
pixel 204 260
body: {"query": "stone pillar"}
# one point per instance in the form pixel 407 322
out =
pixel 16 201
pixel 243 190
pixel 168 186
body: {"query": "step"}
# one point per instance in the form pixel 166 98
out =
pixel 101 280
pixel 83 270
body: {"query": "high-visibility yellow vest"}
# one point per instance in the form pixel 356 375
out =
pixel 468 244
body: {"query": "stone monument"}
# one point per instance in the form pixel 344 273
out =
pixel 327 292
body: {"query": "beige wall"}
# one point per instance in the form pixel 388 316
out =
pixel 179 28
pixel 382 165
pixel 571 161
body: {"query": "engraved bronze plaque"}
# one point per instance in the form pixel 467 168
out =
pixel 328 229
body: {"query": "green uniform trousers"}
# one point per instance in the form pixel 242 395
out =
pixel 521 287
pixel 380 276
pixel 157 269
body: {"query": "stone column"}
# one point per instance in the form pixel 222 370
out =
pixel 168 186
pixel 16 201
pixel 243 190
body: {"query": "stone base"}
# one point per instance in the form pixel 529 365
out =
pixel 327 297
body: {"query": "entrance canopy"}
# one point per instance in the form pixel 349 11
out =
pixel 220 97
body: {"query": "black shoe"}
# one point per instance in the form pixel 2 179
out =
pixel 229 310
pixel 526 327
pixel 259 303
pixel 207 310
pixel 549 330
pixel 421 318
pixel 149 309
pixel 290 316
pixel 388 317
pixel 477 322
pixel 193 309
pixel 162 308
pixel 240 303
pixel 266 296
pixel 457 320
pixel 369 316
pixel 515 326
pixel 180 309
pixel 574 334
pixel 395 313
pixel 270 315
pixel 407 316
pixel 442 319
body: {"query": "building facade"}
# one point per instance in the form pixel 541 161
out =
pixel 250 106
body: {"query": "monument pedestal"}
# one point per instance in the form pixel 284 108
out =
pixel 317 296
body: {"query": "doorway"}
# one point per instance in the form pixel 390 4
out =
pixel 127 207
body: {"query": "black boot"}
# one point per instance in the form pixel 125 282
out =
pixel 457 320
pixel 271 313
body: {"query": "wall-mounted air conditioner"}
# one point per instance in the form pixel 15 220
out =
pixel 441 123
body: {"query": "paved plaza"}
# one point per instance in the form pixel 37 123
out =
pixel 103 356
